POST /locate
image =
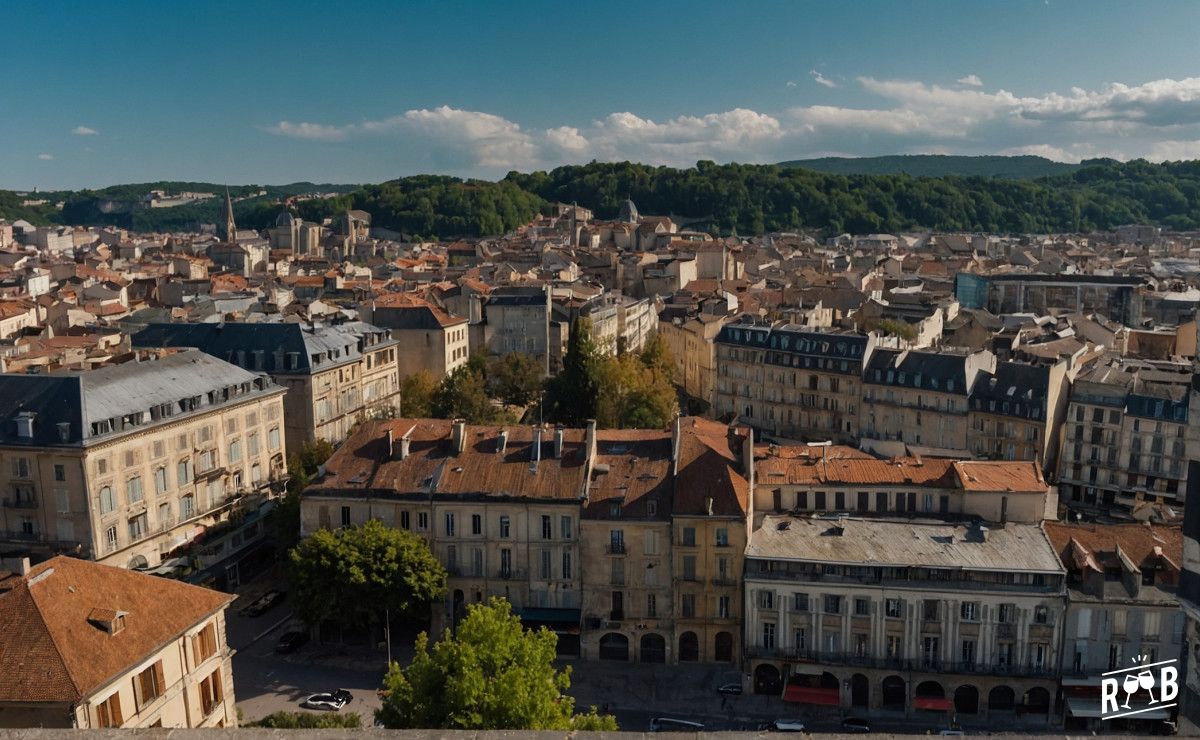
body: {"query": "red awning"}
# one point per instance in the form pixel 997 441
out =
pixel 936 703
pixel 810 695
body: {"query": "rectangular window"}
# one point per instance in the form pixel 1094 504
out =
pixel 405 520
pixel 477 562
pixel 160 481
pixel 766 599
pixel 1004 614
pixel 252 444
pixel 565 527
pixel 235 451
pixel 547 533
pixel 183 473
pixel 833 604
pixel 60 472
pixel 476 524
pixel 211 694
pixel 722 537
pixel 768 635
pixel 273 439
pixel 345 516
pixel 423 521
pixel 723 607
pixel 133 490
pixel 929 609
pixel 861 646
pixel 929 652
pixel 505 563
pixel 893 647
pixel 204 644
pixel 108 712
pixel 689 537
pixel 800 639
pixel 449 522
pixel 968 653
pixel 618 606
pixel 862 607
pixel 566 565
pixel 970 611
pixel 687 605
pixel 800 602
pixel 108 500
pixel 651 605
pixel 689 567
pixel 149 685
pixel 617 572
pixel 504 526
pixel 138 527
pixel 892 608
pixel 187 507
pixel 545 572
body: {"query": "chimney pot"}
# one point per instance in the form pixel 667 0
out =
pixel 459 435
pixel 390 447
pixel 502 442
pixel 558 441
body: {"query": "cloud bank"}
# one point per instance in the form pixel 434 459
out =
pixel 1157 120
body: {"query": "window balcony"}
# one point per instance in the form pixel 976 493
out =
pixel 615 548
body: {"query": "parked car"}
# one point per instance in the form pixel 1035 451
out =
pixel 264 603
pixel 787 725
pixel 856 724
pixel 730 689
pixel 950 733
pixel 332 701
pixel 290 642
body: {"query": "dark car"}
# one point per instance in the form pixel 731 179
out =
pixel 332 701
pixel 730 689
pixel 264 603
pixel 855 724
pixel 290 642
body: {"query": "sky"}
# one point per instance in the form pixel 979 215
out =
pixel 274 92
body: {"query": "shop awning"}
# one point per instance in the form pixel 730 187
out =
pixel 935 703
pixel 807 669
pixel 1089 708
pixel 812 695
pixel 563 621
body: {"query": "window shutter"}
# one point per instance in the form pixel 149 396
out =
pixel 160 682
pixel 115 707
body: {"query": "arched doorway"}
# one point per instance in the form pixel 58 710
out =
pixel 966 700
pixel 894 693
pixel 860 691
pixel 689 647
pixel 724 647
pixel 138 562
pixel 767 680
pixel 654 649
pixel 1037 701
pixel 930 690
pixel 1001 699
pixel 614 646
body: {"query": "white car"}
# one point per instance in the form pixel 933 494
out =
pixel 788 725
pixel 332 701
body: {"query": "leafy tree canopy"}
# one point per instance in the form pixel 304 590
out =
pixel 310 721
pixel 515 379
pixel 355 573
pixel 492 675
pixel 416 395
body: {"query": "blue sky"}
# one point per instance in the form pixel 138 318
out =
pixel 102 93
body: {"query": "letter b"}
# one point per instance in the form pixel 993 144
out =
pixel 1168 683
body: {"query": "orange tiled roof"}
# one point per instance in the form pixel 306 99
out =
pixel 52 653
pixel 1081 542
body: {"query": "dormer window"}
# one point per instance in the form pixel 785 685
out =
pixel 109 620
pixel 1148 576
pixel 25 424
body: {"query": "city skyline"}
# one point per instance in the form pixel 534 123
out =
pixel 252 95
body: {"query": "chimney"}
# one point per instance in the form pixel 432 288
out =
pixel 390 447
pixel 405 440
pixel 708 505
pixel 558 441
pixel 535 449
pixel 1003 509
pixel 502 441
pixel 459 435
pixel 590 440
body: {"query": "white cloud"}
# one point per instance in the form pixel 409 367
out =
pixel 1158 120
pixel 791 83
pixel 46 157
pixel 821 79
pixel 84 131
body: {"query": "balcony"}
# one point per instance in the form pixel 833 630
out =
pixel 510 574
pixel 25 502
pixel 615 548
pixel 924 583
pixel 724 581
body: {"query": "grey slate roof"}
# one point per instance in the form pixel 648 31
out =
pixel 285 348
pixel 124 394
pixel 894 542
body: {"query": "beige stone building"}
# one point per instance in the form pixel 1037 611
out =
pixel 921 619
pixel 499 507
pixel 692 345
pixel 790 382
pixel 1016 412
pixel 336 375
pixel 89 646
pixel 427 337
pixel 127 463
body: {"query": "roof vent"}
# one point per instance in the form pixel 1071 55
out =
pixel 783 526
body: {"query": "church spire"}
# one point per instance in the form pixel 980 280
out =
pixel 230 226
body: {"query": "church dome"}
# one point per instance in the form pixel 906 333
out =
pixel 285 218
pixel 628 212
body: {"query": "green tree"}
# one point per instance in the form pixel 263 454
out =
pixel 514 379
pixel 355 573
pixel 463 395
pixel 302 467
pixel 895 328
pixel 632 395
pixel 571 395
pixel 656 356
pixel 491 675
pixel 416 395
pixel 309 721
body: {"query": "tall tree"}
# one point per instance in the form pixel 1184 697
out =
pixel 571 396
pixel 354 574
pixel 514 379
pixel 463 395
pixel 491 675
pixel 416 395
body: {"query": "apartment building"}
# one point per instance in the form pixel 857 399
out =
pixel 1122 581
pixel 499 507
pixel 518 320
pixel 130 462
pixel 427 338
pixel 789 382
pixel 818 480
pixel 919 618
pixel 89 646
pixel 916 400
pixel 625 534
pixel 1016 412
pixel 1125 439
pixel 692 344
pixel 335 375
pixel 1116 296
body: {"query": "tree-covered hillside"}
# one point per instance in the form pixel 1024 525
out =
pixel 1025 167
pixel 754 198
